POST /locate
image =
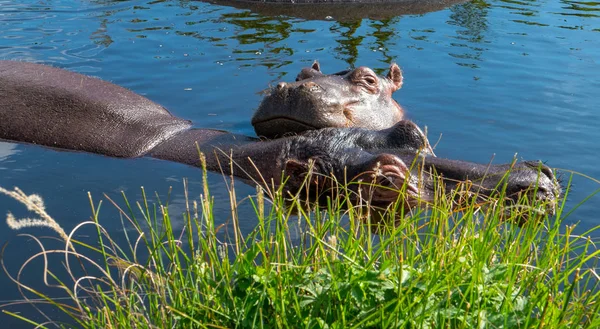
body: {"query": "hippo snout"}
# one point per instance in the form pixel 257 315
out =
pixel 284 89
pixel 537 180
pixel 545 180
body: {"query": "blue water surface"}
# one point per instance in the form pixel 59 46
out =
pixel 489 79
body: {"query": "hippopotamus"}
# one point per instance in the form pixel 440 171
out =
pixel 340 10
pixel 56 108
pixel 404 171
pixel 350 98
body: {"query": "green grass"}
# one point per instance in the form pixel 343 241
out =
pixel 435 268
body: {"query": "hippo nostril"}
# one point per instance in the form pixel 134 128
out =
pixel 541 168
pixel 541 189
pixel 548 172
pixel 281 86
pixel 310 86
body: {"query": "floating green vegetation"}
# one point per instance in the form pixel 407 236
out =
pixel 438 267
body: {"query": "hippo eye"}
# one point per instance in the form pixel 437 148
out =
pixel 371 80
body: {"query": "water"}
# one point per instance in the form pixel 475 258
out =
pixel 492 78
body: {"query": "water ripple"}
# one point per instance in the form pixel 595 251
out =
pixel 492 77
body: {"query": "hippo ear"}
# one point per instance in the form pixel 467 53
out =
pixel 395 76
pixel 316 66
pixel 307 73
pixel 390 176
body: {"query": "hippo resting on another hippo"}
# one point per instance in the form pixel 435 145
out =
pixel 61 109
pixel 351 98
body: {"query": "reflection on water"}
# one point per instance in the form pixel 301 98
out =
pixel 536 13
pixel 492 78
pixel 470 40
pixel 6 150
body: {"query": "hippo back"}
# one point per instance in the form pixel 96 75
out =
pixel 52 107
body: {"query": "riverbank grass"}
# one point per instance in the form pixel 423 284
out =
pixel 437 267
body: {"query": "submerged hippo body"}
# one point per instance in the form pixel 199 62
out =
pixel 56 108
pixel 340 10
pixel 351 98
pixel 48 106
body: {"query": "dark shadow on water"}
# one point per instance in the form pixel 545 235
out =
pixel 346 12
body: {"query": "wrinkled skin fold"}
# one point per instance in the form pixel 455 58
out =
pixel 60 109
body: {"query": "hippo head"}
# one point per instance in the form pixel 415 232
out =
pixel 386 178
pixel 412 177
pixel 351 98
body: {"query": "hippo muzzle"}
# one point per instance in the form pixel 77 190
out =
pixel 300 106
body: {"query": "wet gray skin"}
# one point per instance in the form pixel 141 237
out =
pixel 64 110
pixel 413 177
pixel 351 98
